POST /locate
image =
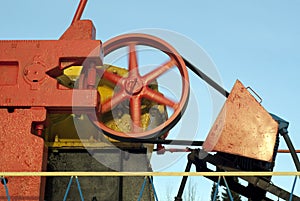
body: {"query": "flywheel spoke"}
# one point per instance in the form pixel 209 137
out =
pixel 159 98
pixel 135 112
pixel 113 101
pixel 132 63
pixel 114 78
pixel 149 77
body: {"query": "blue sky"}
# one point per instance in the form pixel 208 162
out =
pixel 256 42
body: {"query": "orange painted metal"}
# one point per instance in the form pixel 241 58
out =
pixel 28 90
pixel 243 127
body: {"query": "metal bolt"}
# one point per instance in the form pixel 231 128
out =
pixel 39 129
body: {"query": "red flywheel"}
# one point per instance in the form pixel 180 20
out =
pixel 135 87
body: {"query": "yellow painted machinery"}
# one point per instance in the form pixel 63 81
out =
pixel 63 133
pixel 68 136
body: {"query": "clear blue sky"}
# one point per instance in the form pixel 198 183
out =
pixel 256 42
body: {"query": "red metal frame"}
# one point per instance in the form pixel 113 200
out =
pixel 28 90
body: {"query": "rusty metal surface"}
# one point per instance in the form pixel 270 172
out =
pixel 22 151
pixel 243 127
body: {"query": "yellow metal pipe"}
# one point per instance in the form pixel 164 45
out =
pixel 117 174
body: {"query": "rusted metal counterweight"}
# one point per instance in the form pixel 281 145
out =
pixel 28 89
